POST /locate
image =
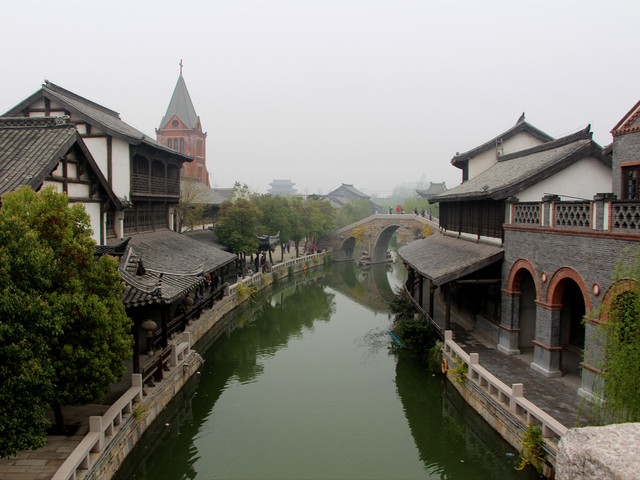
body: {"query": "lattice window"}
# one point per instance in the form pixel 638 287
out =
pixel 130 221
pixel 626 216
pixel 110 224
pixel 145 218
pixel 573 214
pixel 526 213
pixel 160 216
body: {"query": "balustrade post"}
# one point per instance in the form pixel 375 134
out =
pixel 517 391
pixel 602 210
pixel 547 213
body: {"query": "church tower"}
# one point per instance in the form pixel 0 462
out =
pixel 180 129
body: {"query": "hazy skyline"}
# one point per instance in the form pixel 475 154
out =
pixel 371 93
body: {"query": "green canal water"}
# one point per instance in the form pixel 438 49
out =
pixel 304 385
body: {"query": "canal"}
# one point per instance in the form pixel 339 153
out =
pixel 304 384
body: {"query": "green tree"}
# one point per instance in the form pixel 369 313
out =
pixel 319 218
pixel 354 210
pixel 238 226
pixel 64 334
pixel 620 336
pixel 278 216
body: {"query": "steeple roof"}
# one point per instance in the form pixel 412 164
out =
pixel 181 106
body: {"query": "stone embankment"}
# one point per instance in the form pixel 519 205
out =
pixel 114 434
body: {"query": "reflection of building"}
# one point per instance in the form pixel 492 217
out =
pixel 283 188
pixel 180 129
pixel 529 238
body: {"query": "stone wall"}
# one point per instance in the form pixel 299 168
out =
pixel 600 453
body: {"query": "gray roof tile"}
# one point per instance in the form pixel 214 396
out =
pixel 444 259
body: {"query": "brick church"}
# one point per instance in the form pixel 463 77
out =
pixel 180 129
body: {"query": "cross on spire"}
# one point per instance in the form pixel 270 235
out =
pixel 180 66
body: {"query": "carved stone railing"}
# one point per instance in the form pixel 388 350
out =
pixel 625 216
pixel 510 399
pixel 604 214
pixel 526 213
pixel 572 214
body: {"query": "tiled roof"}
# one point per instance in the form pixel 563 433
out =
pixel 31 148
pixel 433 189
pixel 629 123
pixel 162 266
pixel 444 259
pixel 181 106
pixel 521 126
pixel 93 113
pixel 519 170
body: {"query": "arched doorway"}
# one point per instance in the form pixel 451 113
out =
pixel 572 330
pixel 527 312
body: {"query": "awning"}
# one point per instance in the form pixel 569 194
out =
pixel 444 259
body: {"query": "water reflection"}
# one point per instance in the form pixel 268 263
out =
pixel 285 393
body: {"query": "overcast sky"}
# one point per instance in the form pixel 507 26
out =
pixel 367 92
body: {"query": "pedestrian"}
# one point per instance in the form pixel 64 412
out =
pixel 398 208
pixel 429 213
pixel 390 210
pixel 415 211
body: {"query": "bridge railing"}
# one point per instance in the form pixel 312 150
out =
pixel 387 216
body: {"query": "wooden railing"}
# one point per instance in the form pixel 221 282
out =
pixel 510 398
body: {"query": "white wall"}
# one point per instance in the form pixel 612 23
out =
pixel 98 149
pixel 582 180
pixel 121 183
pixel 93 209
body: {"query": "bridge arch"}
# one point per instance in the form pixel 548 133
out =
pixel 377 229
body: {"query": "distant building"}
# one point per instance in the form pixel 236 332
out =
pixel 181 130
pixel 346 192
pixel 432 190
pixel 283 188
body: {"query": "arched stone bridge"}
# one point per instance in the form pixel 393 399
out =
pixel 376 230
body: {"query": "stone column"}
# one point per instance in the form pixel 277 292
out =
pixel 547 349
pixel 509 323
pixel 547 210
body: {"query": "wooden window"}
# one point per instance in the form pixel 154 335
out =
pixel 170 144
pixel 631 182
pixel 182 145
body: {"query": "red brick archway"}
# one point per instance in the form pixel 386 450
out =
pixel 515 277
pixel 557 283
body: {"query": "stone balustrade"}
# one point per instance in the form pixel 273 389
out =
pixel 604 213
pixel 510 398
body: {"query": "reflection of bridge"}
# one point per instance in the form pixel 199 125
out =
pixel 375 232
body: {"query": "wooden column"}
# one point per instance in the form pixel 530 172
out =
pixel 447 315
pixel 432 289
pixel 165 327
pixel 136 346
